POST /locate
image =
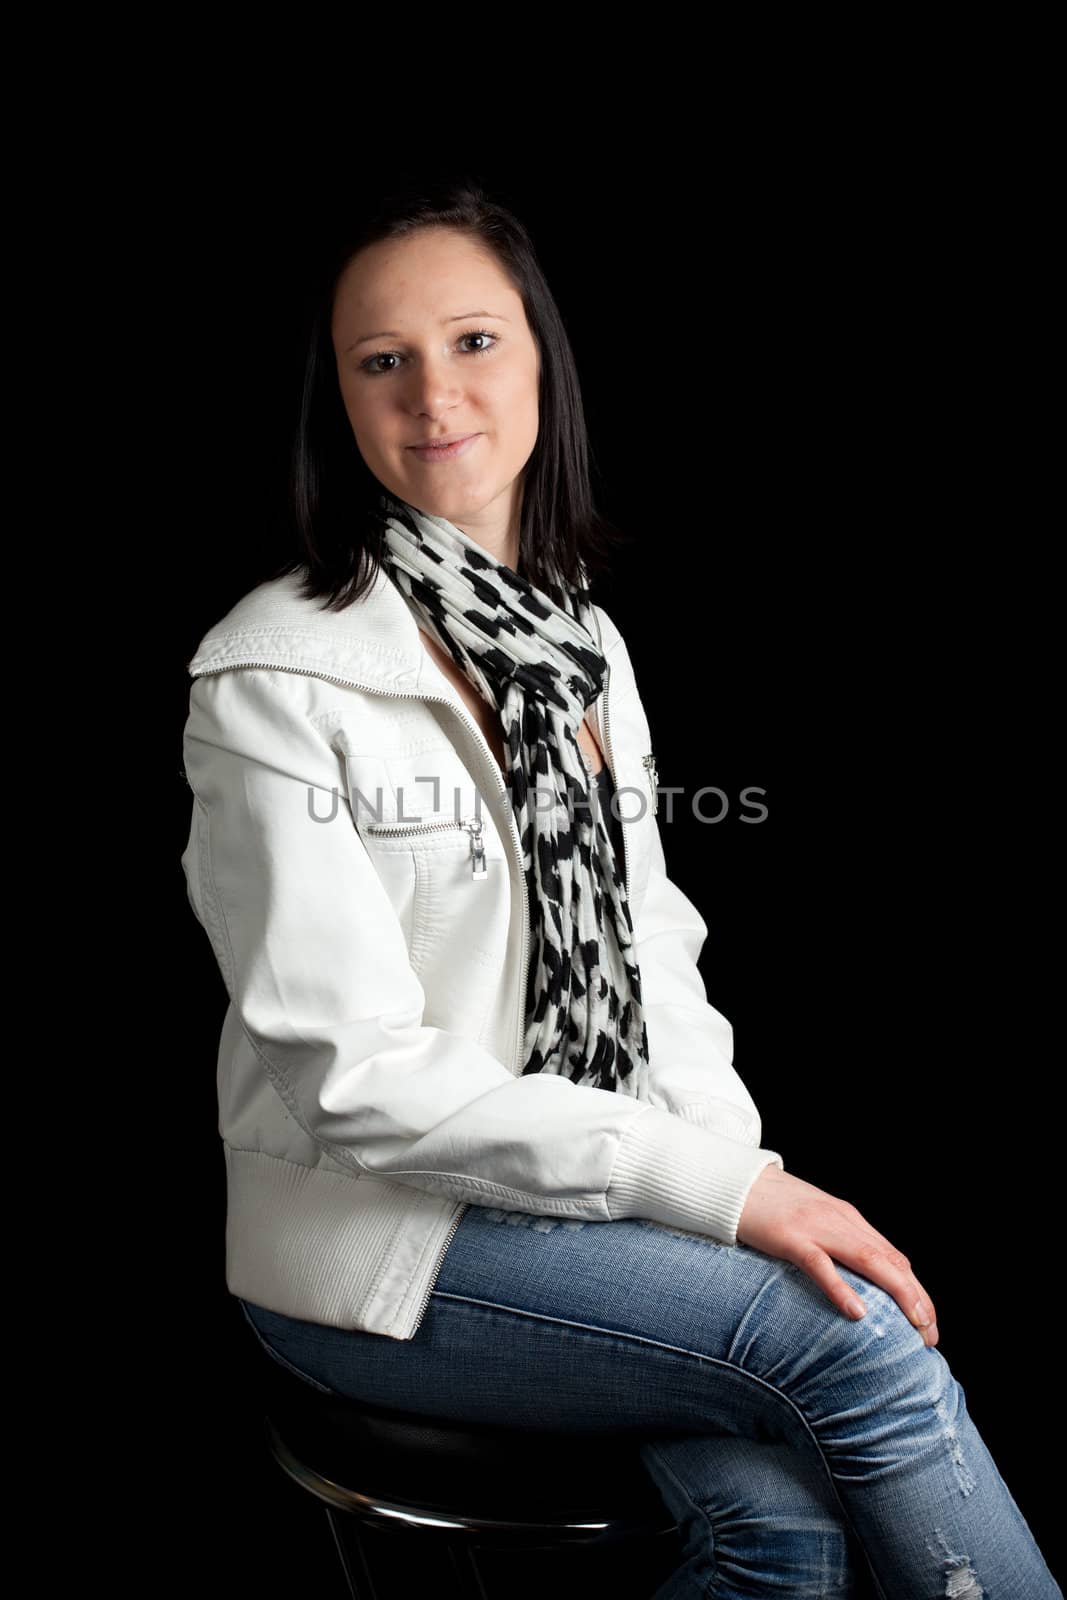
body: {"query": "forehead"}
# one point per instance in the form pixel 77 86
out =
pixel 418 278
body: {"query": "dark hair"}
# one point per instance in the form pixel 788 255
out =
pixel 336 502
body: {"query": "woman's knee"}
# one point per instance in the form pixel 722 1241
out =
pixel 794 1336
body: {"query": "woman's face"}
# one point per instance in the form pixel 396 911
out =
pixel 431 340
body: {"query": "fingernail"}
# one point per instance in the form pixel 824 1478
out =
pixel 857 1308
pixel 921 1314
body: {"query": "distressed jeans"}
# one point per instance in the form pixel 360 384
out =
pixel 820 1446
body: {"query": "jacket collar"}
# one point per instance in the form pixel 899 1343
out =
pixel 375 641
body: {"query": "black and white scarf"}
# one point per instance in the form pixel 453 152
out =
pixel 539 665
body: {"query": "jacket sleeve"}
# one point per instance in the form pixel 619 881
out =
pixel 317 970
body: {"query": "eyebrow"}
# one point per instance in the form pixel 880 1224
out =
pixel 391 333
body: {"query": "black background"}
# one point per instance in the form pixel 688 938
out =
pixel 790 349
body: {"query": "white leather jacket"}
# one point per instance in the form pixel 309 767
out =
pixel 354 859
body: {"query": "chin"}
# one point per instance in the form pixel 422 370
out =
pixel 455 503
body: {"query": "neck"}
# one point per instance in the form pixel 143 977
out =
pixel 503 547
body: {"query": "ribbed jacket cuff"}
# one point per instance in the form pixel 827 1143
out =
pixel 674 1172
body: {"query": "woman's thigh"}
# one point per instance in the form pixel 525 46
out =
pixel 624 1326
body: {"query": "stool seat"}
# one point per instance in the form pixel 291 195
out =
pixel 388 1465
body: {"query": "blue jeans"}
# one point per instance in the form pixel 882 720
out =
pixel 818 1443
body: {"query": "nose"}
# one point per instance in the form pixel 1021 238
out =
pixel 434 387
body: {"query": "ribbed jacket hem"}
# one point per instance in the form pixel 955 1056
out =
pixel 348 1252
pixel 685 1176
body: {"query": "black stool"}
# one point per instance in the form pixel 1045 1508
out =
pixel 411 1499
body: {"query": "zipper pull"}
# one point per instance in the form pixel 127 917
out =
pixel 649 764
pixel 478 866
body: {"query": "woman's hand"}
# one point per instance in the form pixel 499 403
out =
pixel 785 1217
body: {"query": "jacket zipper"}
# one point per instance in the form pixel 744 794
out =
pixel 473 826
pixel 442 1252
pixel 649 764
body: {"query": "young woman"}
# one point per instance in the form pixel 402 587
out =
pixel 487 1154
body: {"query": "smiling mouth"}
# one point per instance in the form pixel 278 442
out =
pixel 444 452
pixel 441 440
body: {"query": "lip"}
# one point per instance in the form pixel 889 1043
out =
pixel 445 452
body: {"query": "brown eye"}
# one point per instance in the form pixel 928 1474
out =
pixel 481 334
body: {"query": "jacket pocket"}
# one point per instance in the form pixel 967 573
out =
pixel 438 829
pixel 460 911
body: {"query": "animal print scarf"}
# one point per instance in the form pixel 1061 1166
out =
pixel 539 665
